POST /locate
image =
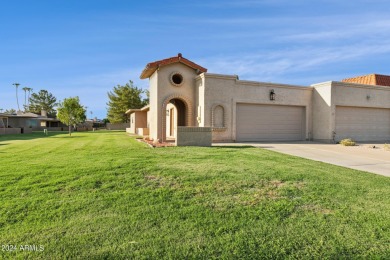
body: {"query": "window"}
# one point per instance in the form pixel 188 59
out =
pixel 176 79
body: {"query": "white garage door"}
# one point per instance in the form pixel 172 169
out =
pixel 270 123
pixel 362 124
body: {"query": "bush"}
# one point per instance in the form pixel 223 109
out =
pixel 348 142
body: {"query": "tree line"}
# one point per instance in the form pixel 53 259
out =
pixel 71 112
pixel 36 102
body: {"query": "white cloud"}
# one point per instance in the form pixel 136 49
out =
pixel 269 66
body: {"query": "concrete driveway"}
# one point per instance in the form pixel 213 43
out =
pixel 363 157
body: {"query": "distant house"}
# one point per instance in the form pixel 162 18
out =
pixel 31 120
pixel 138 121
pixel 183 93
pixel 27 122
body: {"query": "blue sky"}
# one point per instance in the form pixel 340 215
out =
pixel 86 47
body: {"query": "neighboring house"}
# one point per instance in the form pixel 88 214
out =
pixel 182 93
pixel 3 120
pixel 31 121
pixel 139 123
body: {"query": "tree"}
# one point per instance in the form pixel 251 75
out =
pixel 121 99
pixel 147 94
pixel 29 94
pixel 25 89
pixel 17 98
pixel 43 100
pixel 10 111
pixel 25 97
pixel 71 112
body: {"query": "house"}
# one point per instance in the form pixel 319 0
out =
pixel 139 123
pixel 25 122
pixel 183 93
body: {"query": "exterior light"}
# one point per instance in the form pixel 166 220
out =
pixel 272 95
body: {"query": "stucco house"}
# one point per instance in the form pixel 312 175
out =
pixel 138 121
pixel 183 93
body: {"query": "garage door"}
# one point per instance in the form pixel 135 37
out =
pixel 270 123
pixel 362 124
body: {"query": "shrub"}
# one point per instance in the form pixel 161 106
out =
pixel 348 142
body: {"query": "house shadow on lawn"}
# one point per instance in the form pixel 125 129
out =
pixel 32 136
pixel 232 146
pixel 67 136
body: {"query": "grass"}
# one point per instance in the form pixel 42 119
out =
pixel 103 195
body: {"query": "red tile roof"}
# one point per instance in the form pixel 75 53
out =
pixel 371 79
pixel 153 66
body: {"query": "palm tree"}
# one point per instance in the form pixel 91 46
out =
pixel 25 89
pixel 28 100
pixel 27 103
pixel 17 99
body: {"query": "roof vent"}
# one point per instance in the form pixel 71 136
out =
pixel 179 55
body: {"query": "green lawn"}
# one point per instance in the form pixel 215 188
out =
pixel 105 195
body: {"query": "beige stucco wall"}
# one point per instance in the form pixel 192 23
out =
pixel 153 110
pixel 161 91
pixel 148 119
pixel 138 119
pixel 323 122
pixel 328 95
pixel 348 94
pixel 228 91
pixel 168 118
pixel 142 131
pixel 131 128
pixel 200 100
pixel 202 93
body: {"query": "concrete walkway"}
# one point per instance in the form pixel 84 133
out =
pixel 363 157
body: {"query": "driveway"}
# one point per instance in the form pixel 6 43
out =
pixel 363 157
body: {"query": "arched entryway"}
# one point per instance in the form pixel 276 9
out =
pixel 177 111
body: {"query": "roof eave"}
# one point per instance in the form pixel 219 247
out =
pixel 151 67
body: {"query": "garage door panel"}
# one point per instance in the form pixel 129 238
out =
pixel 362 124
pixel 269 122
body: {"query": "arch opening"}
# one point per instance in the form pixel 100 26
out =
pixel 177 111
